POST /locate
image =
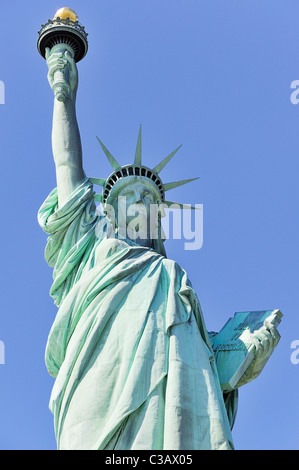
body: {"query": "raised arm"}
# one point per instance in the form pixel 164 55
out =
pixel 66 142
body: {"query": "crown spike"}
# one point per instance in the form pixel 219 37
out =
pixel 164 162
pixel 180 206
pixel 99 181
pixel 111 159
pixel 98 197
pixel 137 160
pixel 175 184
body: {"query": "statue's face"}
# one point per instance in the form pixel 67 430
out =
pixel 136 210
pixel 136 195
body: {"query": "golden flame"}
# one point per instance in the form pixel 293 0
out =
pixel 64 13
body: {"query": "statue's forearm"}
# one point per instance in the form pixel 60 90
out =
pixel 67 150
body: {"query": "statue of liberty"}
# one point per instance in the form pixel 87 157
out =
pixel 133 363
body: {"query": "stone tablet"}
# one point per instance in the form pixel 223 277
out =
pixel 233 344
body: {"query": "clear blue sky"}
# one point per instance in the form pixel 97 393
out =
pixel 214 76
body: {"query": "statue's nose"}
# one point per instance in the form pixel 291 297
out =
pixel 137 197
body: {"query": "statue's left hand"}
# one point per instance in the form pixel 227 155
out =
pixel 264 342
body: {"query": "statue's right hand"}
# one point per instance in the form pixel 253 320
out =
pixel 63 62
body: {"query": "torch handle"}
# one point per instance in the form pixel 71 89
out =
pixel 61 86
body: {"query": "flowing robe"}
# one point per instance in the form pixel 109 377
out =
pixel 132 359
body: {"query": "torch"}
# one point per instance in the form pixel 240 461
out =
pixel 63 33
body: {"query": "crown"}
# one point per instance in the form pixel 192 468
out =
pixel 140 171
